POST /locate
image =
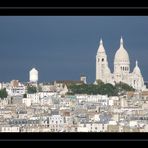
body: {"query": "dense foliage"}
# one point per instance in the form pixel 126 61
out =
pixel 25 96
pixel 31 89
pixel 100 88
pixel 3 93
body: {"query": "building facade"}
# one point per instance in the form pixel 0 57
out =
pixel 33 75
pixel 121 68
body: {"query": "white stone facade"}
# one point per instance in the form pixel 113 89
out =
pixel 10 129
pixel 121 68
pixel 33 75
pixel 92 127
pixel 56 123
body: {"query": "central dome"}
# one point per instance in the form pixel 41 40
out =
pixel 121 54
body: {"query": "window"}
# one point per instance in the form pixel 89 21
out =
pixel 98 59
pixel 102 59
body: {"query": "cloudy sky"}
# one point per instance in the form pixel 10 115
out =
pixel 63 47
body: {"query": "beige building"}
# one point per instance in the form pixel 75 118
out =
pixel 121 68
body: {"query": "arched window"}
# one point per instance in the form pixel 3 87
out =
pixel 98 59
pixel 102 59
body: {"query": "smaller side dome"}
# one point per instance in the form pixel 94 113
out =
pixel 137 69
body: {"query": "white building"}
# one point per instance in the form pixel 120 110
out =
pixel 46 101
pixel 27 101
pixel 101 99
pixel 34 97
pixel 92 127
pixel 64 91
pixel 3 102
pixel 56 123
pixel 10 129
pixel 83 79
pixel 121 68
pixel 33 75
pixel 16 91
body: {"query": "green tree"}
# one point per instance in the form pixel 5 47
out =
pixel 100 88
pixel 31 89
pixel 123 87
pixel 25 96
pixel 3 93
pixel 99 82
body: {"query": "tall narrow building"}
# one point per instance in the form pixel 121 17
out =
pixel 33 75
pixel 102 70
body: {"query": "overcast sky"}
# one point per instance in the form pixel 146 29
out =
pixel 62 47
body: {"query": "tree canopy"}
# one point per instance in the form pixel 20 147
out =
pixel 31 89
pixel 100 88
pixel 3 93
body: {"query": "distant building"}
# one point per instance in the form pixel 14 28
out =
pixel 121 68
pixel 56 123
pixel 63 82
pixel 33 75
pixel 10 129
pixel 15 88
pixel 83 79
pixel 14 83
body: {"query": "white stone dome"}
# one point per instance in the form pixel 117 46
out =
pixel 137 69
pixel 121 54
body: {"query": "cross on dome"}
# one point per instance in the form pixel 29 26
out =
pixel 121 41
pixel 136 63
pixel 101 42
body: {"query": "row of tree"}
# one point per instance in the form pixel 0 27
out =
pixel 100 88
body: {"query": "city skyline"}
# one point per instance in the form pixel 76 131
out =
pixel 63 47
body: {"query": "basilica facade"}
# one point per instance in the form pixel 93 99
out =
pixel 121 71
